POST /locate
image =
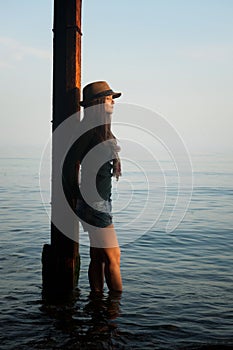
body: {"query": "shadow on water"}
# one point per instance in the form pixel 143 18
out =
pixel 82 324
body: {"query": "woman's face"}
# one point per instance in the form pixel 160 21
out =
pixel 108 105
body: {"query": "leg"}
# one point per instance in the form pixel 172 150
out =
pixel 105 249
pixel 96 269
pixel 112 262
pixel 112 269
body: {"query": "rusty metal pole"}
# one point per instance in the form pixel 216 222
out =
pixel 60 259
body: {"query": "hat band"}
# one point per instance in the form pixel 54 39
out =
pixel 103 93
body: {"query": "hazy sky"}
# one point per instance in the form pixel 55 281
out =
pixel 174 57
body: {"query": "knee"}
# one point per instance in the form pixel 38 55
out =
pixel 118 257
pixel 96 254
pixel 114 257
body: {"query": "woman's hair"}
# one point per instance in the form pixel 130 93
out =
pixel 95 111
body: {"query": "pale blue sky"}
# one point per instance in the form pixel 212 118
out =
pixel 172 56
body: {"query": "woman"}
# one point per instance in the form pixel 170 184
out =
pixel 97 152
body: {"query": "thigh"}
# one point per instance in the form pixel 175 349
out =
pixel 103 237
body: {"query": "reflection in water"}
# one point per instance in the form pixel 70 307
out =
pixel 108 308
pixel 89 327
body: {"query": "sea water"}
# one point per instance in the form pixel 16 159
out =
pixel 178 286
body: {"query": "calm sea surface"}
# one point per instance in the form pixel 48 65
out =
pixel 178 287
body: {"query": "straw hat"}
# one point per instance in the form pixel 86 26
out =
pixel 96 90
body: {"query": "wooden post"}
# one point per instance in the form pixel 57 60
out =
pixel 60 259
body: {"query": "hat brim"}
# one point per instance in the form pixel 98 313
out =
pixel 116 94
pixel 104 94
